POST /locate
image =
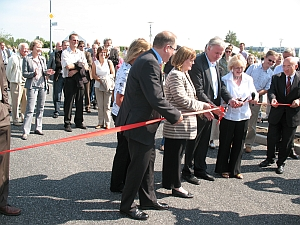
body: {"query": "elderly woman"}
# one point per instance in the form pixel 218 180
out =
pixel 122 158
pixel 181 93
pixel 35 70
pixel 233 126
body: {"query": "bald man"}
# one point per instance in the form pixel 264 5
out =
pixel 283 120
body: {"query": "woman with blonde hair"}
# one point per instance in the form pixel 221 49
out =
pixel 233 126
pixel 180 92
pixel 35 70
pixel 122 158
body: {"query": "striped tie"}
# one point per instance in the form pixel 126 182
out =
pixel 288 85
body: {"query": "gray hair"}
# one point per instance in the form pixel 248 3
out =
pixel 24 44
pixel 217 41
pixel 289 50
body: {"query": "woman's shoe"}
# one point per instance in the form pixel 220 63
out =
pixel 225 175
pixel 181 195
pixel 239 176
pixel 98 126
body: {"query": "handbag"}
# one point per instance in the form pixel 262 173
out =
pixel 108 81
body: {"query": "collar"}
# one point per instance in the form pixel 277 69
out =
pixel 159 58
pixel 210 64
pixel 70 50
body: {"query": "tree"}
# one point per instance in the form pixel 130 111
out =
pixel 231 38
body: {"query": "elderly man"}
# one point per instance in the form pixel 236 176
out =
pixel 17 82
pixel 206 78
pixel 5 208
pixel 144 100
pixel 283 120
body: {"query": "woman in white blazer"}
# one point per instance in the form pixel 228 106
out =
pixel 35 70
pixel 181 93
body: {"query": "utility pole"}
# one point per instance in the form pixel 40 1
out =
pixel 150 33
pixel 50 16
pixel 280 41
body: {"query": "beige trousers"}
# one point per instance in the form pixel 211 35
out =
pixel 18 98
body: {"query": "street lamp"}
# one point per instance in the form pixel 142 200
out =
pixel 150 32
pixel 280 40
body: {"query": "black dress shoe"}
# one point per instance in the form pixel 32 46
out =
pixel 156 206
pixel 55 116
pixel 136 215
pixel 179 194
pixel 191 179
pixel 280 169
pixel 205 176
pixel 81 126
pixel 38 132
pixel 68 128
pixel 266 162
pixel 293 154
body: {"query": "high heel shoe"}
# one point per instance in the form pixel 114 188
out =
pixel 179 194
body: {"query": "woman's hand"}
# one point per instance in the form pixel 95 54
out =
pixel 50 71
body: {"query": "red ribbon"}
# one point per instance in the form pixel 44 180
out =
pixel 101 132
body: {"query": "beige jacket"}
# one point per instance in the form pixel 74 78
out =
pixel 181 93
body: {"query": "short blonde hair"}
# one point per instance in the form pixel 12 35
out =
pixel 137 47
pixel 34 43
pixel 181 55
pixel 237 60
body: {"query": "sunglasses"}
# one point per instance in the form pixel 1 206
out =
pixel 270 60
pixel 228 51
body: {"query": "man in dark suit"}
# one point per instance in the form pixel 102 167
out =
pixel 209 88
pixel 144 100
pixel 5 145
pixel 283 120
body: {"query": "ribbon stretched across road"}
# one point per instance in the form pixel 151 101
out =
pixel 104 132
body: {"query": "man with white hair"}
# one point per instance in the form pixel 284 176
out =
pixel 283 120
pixel 17 82
pixel 286 53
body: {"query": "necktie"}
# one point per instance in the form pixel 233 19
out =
pixel 4 56
pixel 288 85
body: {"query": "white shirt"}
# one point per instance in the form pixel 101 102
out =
pixel 242 92
pixel 69 57
pixel 101 70
pixel 214 76
pixel 120 85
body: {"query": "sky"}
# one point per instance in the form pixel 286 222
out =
pixel 194 22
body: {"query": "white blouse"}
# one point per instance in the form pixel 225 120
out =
pixel 101 70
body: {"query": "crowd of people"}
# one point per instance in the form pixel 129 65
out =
pixel 229 87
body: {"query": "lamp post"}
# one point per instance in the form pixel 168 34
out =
pixel 150 32
pixel 50 16
pixel 280 41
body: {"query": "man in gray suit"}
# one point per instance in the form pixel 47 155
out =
pixel 144 100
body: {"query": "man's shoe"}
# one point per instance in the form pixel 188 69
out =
pixel 266 162
pixel 136 215
pixel 248 149
pixel 293 154
pixel 10 210
pixel 38 132
pixel 88 110
pixel 179 194
pixel 81 126
pixel 205 176
pixel 280 169
pixel 156 206
pixel 191 179
pixel 212 145
pixel 55 116
pixel 24 137
pixel 68 128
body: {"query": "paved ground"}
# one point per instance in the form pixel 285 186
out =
pixel 69 184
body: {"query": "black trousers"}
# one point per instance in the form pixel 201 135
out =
pixel 120 163
pixel 171 172
pixel 196 150
pixel 4 164
pixel 140 176
pixel 231 141
pixel 286 133
pixel 72 92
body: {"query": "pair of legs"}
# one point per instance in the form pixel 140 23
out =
pixel 58 85
pixel 251 133
pixel 34 96
pixel 103 101
pixel 18 98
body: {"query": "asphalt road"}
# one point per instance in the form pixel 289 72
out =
pixel 68 183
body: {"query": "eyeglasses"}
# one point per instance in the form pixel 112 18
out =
pixel 270 60
pixel 228 51
pixel 172 48
pixel 81 46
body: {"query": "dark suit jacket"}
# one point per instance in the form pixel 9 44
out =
pixel 201 77
pixel 144 94
pixel 4 105
pixel 277 91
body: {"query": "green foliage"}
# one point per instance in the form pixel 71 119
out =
pixel 232 38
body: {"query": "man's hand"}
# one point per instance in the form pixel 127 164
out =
pixel 274 103
pixel 295 103
pixel 180 119
pixel 209 116
pixel 235 103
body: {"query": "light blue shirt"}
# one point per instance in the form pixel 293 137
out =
pixel 278 69
pixel 261 78
pixel 158 57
